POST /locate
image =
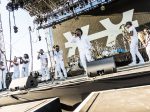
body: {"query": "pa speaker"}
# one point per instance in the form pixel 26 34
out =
pixel 102 66
pixel 23 83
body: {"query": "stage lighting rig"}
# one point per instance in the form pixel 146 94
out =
pixel 15 29
pixel 10 7
pixel 71 9
pixel 103 8
pixel 39 37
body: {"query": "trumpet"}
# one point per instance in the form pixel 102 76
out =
pixel 125 33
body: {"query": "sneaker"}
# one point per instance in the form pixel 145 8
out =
pixel 132 64
pixel 65 78
pixel 141 62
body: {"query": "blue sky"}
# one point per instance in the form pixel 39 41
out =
pixel 20 40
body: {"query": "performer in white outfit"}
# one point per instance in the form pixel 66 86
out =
pixel 134 44
pixel 59 63
pixel 15 65
pixel 147 41
pixel 2 76
pixel 84 47
pixel 44 65
pixel 25 65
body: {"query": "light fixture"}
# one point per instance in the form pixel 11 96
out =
pixel 15 29
pixel 103 8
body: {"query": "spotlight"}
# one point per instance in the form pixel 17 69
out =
pixel 45 19
pixel 21 4
pixel 76 18
pixel 15 29
pixel 10 6
pixel 53 26
pixel 103 8
pixel 41 21
pixel 16 6
pixel 39 37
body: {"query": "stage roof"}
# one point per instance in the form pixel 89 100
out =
pixel 37 7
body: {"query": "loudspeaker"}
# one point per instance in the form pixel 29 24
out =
pixel 100 67
pixel 23 83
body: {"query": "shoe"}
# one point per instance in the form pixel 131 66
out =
pixel 65 78
pixel 141 62
pixel 132 64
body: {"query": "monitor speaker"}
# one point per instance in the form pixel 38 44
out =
pixel 23 83
pixel 100 67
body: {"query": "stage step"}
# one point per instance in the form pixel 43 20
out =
pixel 126 68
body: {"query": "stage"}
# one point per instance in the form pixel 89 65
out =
pixel 74 90
pixel 135 99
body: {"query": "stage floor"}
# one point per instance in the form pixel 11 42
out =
pixel 134 99
pixel 75 89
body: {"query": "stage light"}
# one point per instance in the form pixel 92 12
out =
pixel 45 19
pixel 21 4
pixel 10 6
pixel 103 8
pixel 16 6
pixel 53 26
pixel 15 29
pixel 39 37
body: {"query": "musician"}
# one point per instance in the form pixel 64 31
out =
pixel 59 63
pixel 15 65
pixel 134 44
pixel 147 41
pixel 2 76
pixel 84 47
pixel 25 65
pixel 44 65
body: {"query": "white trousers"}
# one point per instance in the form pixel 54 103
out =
pixel 24 72
pixel 2 80
pixel 45 73
pixel 85 55
pixel 148 51
pixel 58 67
pixel 16 74
pixel 134 51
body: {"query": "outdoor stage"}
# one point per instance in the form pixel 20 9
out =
pixel 74 90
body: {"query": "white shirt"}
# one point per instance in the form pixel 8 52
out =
pixel 82 43
pixel 43 59
pixel 16 67
pixel 58 56
pixel 27 64
pixel 135 34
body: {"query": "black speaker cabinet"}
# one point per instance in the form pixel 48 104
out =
pixel 23 83
pixel 102 66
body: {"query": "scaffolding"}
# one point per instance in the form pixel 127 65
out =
pixel 2 43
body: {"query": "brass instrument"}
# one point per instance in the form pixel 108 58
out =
pixel 141 36
pixel 125 33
